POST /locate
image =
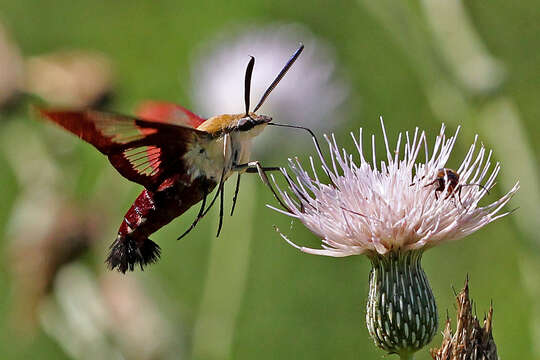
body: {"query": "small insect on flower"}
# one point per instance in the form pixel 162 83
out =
pixel 389 213
pixel 450 177
pixel 177 156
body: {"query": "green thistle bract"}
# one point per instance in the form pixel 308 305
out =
pixel 401 311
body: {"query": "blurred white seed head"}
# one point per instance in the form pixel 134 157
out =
pixel 70 78
pixel 392 207
pixel 110 317
pixel 311 94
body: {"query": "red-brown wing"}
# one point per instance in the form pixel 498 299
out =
pixel 143 151
pixel 168 113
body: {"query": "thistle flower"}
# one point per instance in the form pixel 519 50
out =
pixel 393 213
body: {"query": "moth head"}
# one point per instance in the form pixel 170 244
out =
pixel 252 121
pixel 249 121
pixel 239 123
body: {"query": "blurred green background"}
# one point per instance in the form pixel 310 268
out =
pixel 248 294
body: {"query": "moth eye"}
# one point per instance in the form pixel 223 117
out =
pixel 244 124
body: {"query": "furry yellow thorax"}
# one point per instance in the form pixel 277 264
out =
pixel 217 124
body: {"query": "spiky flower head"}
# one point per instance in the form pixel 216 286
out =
pixel 392 213
pixel 395 206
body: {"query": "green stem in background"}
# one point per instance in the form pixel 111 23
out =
pixel 225 283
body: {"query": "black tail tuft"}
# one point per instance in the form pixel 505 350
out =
pixel 125 254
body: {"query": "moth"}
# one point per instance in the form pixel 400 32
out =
pixel 177 156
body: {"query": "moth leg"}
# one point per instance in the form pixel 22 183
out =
pixel 256 167
pixel 222 192
pixel 235 193
pixel 291 185
pixel 199 217
pixel 221 180
pixel 255 170
pixel 253 167
pixel 203 211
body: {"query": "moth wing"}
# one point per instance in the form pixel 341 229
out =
pixel 168 113
pixel 146 152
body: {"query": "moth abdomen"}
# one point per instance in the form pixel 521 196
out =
pixel 127 252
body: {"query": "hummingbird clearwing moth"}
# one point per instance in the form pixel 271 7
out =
pixel 176 155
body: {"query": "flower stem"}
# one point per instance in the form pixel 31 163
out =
pixel 406 356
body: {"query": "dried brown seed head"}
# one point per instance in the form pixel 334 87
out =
pixel 470 341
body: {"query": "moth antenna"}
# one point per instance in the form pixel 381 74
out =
pixel 262 174
pixel 247 83
pixel 235 193
pixel 280 76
